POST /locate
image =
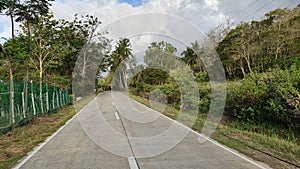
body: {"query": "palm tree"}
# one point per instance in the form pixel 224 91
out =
pixel 191 57
pixel 118 67
pixel 121 52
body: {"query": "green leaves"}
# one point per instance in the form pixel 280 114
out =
pixel 161 56
pixel 122 52
pixel 261 45
pixel 270 97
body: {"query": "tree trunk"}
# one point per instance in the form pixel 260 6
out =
pixel 26 91
pixel 27 69
pixel 11 88
pixel 242 68
pixel 12 25
pixel 41 84
pixel 83 73
pixel 120 82
pixel 124 80
pixel 249 65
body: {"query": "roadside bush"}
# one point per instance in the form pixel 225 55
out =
pixel 271 97
pixel 205 97
pixel 173 94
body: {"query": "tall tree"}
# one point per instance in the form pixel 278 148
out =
pixel 261 45
pixel 89 48
pixel 239 47
pixel 9 7
pixel 160 59
pixel 161 55
pixel 218 33
pixel 17 47
pixel 46 47
pixel 191 57
pixel 11 114
pixel 28 12
pixel 118 68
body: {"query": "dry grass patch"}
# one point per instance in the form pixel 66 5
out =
pixel 18 142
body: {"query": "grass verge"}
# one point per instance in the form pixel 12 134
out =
pixel 276 152
pixel 18 142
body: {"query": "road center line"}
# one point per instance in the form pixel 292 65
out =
pixel 132 163
pixel 260 165
pixel 117 115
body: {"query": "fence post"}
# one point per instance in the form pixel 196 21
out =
pixel 32 99
pixel 12 113
pixel 23 105
pixel 26 95
pixel 63 99
pixel 18 111
pixel 53 98
pixel 41 98
pixel 60 99
pixel 47 98
pixel 57 97
pixel 67 97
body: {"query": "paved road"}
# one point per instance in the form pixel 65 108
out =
pixel 114 132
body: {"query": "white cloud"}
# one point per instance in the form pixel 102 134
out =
pixel 5 25
pixel 213 4
pixel 204 14
pixel 124 20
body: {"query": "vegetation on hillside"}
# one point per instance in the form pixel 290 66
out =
pixel 261 61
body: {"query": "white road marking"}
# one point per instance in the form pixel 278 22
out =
pixel 132 163
pixel 262 166
pixel 112 100
pixel 117 116
pixel 38 148
pixel 217 143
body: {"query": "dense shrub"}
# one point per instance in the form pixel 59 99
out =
pixel 205 97
pixel 271 97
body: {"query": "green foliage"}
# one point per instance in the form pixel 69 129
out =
pixel 192 57
pixel 175 88
pixel 172 92
pixel 52 99
pixel 30 10
pixel 115 62
pixel 152 76
pixel 204 97
pixel 102 85
pixel 261 45
pixel 52 44
pixel 161 55
pixel 271 97
pixel 201 76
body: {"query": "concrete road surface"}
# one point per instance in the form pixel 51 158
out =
pixel 115 132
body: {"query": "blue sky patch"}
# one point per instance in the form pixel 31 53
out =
pixel 134 3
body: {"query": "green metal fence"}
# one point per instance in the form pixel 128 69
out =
pixel 27 103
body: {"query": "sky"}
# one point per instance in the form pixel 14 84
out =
pixel 145 21
pixel 133 3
